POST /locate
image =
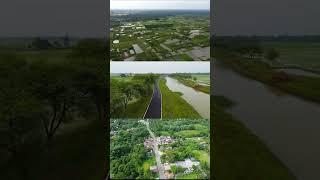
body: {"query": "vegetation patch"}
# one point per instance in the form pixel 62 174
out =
pixel 303 86
pixel 173 105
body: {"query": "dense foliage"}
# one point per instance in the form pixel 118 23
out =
pixel 125 92
pixel 127 153
pixel 39 97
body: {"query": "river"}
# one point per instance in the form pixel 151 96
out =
pixel 198 100
pixel 287 124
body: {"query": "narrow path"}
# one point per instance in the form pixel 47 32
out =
pixel 156 152
pixel 154 108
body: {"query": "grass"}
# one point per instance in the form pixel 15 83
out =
pixel 185 57
pixel 138 108
pixel 204 78
pixel 148 163
pixel 193 175
pixel 302 86
pixel 125 79
pixel 194 85
pixel 303 53
pixel 202 156
pixel 188 133
pixel 173 105
pixel 239 154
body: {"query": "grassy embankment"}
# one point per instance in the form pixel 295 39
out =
pixel 173 106
pixel 239 154
pixel 302 86
pixel 194 85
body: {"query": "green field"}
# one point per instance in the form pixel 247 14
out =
pixel 188 133
pixel 119 78
pixel 202 156
pixel 195 84
pixel 301 53
pixel 204 78
pixel 173 106
pixel 160 38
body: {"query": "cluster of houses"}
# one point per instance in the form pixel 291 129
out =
pixel 162 140
pixel 187 164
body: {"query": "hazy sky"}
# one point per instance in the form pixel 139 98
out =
pixel 265 17
pixel 160 4
pixel 89 17
pixel 159 67
pixel 53 17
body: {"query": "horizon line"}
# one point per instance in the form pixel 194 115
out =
pixel 162 9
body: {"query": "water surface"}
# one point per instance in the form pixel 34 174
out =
pixel 198 100
pixel 287 124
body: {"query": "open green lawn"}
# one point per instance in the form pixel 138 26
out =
pixel 173 105
pixel 202 156
pixel 239 154
pixel 204 78
pixel 188 133
pixel 302 53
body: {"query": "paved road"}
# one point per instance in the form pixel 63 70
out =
pixel 154 109
pixel 156 152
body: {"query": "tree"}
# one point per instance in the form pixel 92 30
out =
pixel 66 41
pixel 91 80
pixel 41 44
pixel 194 78
pixel 53 87
pixel 271 54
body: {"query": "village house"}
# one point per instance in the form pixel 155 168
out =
pixel 148 143
pixel 154 169
pixel 187 164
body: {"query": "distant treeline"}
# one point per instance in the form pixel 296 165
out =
pixel 284 38
pixel 132 16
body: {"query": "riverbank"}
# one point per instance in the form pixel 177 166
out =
pixel 194 85
pixel 173 105
pixel 302 86
pixel 238 153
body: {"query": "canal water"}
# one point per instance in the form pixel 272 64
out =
pixel 287 124
pixel 198 100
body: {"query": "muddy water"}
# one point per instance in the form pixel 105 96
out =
pixel 287 124
pixel 198 100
